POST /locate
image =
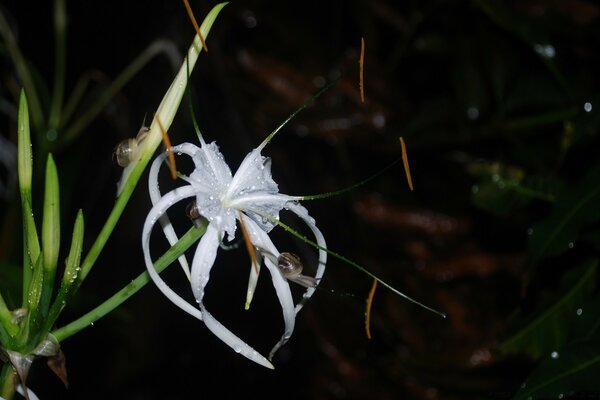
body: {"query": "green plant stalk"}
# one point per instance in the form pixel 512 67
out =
pixel 132 173
pixel 20 65
pixel 50 232
pixel 186 241
pixel 60 44
pixel 86 117
pixel 31 245
pixel 8 329
pixel 7 382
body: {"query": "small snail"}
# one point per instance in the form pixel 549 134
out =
pixel 290 266
pixel 192 212
pixel 126 151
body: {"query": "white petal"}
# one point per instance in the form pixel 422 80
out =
pixel 165 223
pixel 201 266
pixel 30 395
pixel 238 345
pixel 303 214
pixel 255 205
pixel 159 209
pixel 253 174
pixel 282 287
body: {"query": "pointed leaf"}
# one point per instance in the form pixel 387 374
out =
pixel 50 231
pixel 31 248
pixel 574 209
pixel 549 331
pixel 571 373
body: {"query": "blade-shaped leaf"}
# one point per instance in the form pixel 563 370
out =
pixel 570 373
pixel 549 331
pixel 574 209
pixel 31 247
pixel 50 231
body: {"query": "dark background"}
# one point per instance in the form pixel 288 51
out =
pixel 490 101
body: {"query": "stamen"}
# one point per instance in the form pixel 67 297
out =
pixel 368 310
pixel 169 150
pixel 191 14
pixel 405 161
pixel 249 246
pixel 347 261
pixel 361 63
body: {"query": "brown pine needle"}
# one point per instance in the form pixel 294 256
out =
pixel 249 246
pixel 191 14
pixel 169 150
pixel 361 63
pixel 405 161
pixel 368 310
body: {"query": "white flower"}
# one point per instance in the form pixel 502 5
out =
pixel 251 197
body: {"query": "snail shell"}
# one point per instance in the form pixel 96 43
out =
pixel 289 265
pixel 127 150
pixel 192 212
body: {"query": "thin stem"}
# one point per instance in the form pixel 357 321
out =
pixel 60 53
pixel 154 49
pixel 350 262
pixel 23 72
pixel 118 298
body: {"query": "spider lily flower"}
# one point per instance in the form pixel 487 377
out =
pixel 251 197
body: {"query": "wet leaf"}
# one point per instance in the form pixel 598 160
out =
pixel 570 373
pixel 550 329
pixel 574 209
pixel 50 231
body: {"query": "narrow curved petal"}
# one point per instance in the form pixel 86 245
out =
pixel 201 266
pixel 237 344
pixel 204 258
pixel 262 203
pixel 155 213
pixel 302 212
pixel 282 287
pixel 165 223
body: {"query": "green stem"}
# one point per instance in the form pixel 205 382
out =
pixel 23 72
pixel 60 45
pixel 118 298
pixel 6 324
pixel 348 261
pixel 7 382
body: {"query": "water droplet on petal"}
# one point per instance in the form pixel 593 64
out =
pixel 237 349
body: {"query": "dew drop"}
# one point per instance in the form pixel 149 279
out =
pixel 475 189
pixel 472 113
pixel 579 312
pixel 545 50
pixel 571 245
pixel 554 355
pixel 560 395
pixel 237 349
pixel 529 231
pixel 587 106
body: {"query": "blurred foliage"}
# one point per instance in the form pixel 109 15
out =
pixel 499 105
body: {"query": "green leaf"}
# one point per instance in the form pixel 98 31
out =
pixel 550 330
pixel 574 209
pixel 25 158
pixel 71 273
pixel 570 373
pixel 31 247
pixel 51 221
